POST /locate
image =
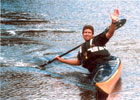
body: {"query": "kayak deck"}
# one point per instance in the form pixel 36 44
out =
pixel 107 74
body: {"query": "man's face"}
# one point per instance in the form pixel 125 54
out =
pixel 87 34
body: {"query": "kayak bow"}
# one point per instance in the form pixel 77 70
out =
pixel 107 75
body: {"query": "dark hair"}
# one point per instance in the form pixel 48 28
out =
pixel 88 27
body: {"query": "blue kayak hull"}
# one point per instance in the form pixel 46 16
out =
pixel 107 74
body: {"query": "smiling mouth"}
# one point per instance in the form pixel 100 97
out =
pixel 87 38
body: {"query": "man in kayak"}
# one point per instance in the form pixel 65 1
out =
pixel 93 51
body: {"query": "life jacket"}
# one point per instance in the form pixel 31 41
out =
pixel 92 53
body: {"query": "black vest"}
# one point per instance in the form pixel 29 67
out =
pixel 92 53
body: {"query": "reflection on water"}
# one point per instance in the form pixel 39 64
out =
pixel 34 32
pixel 16 18
pixel 16 40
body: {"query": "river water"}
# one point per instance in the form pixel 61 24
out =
pixel 35 31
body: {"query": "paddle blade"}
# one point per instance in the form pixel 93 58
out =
pixel 42 67
pixel 120 23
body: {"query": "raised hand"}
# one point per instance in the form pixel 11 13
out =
pixel 115 15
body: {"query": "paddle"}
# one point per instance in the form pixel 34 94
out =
pixel 41 66
pixel 119 24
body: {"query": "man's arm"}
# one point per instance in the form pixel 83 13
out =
pixel 114 18
pixel 68 61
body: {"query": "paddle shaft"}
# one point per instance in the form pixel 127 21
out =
pixel 119 24
pixel 61 55
pixel 66 52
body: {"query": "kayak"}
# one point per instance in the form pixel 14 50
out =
pixel 107 74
